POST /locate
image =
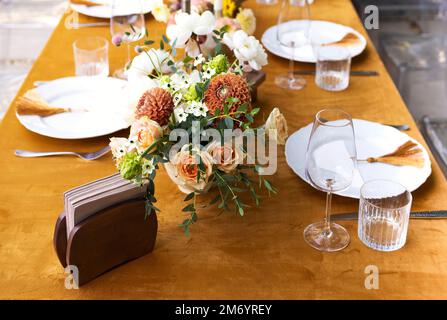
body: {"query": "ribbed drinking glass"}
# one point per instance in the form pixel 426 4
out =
pixel 384 213
pixel 333 67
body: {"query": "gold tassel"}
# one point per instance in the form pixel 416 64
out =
pixel 33 104
pixel 350 39
pixel 408 154
pixel 86 3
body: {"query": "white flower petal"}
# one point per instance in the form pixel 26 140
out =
pixel 205 24
pixel 178 34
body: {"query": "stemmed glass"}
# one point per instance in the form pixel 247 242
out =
pixel 126 25
pixel 330 165
pixel 293 32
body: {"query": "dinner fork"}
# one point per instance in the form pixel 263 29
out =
pixel 78 25
pixel 84 155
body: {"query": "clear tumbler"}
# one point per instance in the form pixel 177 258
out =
pixel 384 213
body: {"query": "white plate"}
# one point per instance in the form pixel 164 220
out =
pixel 321 32
pixel 103 97
pixel 105 11
pixel 372 139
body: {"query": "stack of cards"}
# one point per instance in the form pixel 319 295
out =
pixel 86 200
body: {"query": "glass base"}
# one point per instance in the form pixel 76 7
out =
pixel 316 236
pixel 120 74
pixel 290 82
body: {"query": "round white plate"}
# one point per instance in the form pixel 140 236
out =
pixel 372 139
pixel 105 11
pixel 103 97
pixel 321 32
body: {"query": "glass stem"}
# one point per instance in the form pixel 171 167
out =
pixel 292 65
pixel 126 65
pixel 327 218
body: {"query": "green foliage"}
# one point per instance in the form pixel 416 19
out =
pixel 219 63
pixel 130 167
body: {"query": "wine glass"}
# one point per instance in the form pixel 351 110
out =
pixel 126 25
pixel 293 33
pixel 330 165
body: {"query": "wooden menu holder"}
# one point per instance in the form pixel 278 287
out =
pixel 109 238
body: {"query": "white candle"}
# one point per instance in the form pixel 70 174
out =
pixel 218 8
pixel 217 5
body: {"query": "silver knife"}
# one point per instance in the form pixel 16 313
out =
pixel 366 73
pixel 439 214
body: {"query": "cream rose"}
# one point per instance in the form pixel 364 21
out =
pixel 183 170
pixel 276 126
pixel 144 132
pixel 227 156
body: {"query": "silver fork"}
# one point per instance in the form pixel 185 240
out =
pixel 84 155
pixel 78 25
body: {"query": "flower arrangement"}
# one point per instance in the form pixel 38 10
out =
pixel 233 14
pixel 197 120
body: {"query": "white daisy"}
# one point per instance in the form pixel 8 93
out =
pixel 148 167
pixel 179 81
pixel 177 98
pixel 132 143
pixel 191 107
pixel 180 115
pixel 209 73
pixel 199 60
pixel 200 110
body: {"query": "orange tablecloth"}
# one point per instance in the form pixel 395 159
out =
pixel 263 254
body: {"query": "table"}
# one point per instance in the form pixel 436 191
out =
pixel 260 255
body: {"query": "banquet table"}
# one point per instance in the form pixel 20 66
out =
pixel 259 256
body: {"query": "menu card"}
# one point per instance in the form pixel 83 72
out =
pixel 88 199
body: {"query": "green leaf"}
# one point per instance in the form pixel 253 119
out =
pixel 162 45
pixel 242 108
pixel 226 109
pixel 149 42
pixel 189 196
pixel 216 198
pixel 188 208
pixel 185 222
pixel 187 59
pixel 255 111
pixel 229 123
pixel 165 39
pixel 269 186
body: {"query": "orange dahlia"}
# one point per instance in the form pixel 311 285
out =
pixel 226 86
pixel 156 104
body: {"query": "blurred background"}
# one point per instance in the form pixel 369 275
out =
pixel 411 40
pixel 25 26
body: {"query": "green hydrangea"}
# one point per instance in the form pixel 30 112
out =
pixel 220 63
pixel 130 166
pixel 191 94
